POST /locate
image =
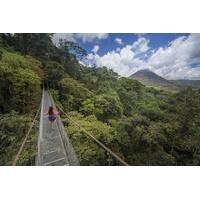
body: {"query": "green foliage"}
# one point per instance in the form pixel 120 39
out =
pixel 131 85
pixel 89 153
pixel 72 93
pixel 150 126
pixel 73 48
pixel 6 41
pixel 151 110
pixel 72 67
pixel 98 78
pixel 189 109
pixel 185 146
pixel 107 106
pixel 88 107
pixel 19 84
pixel 29 153
pixel 38 45
pixel 20 93
pixel 53 73
pixel 129 91
pixel 12 129
pixel 104 106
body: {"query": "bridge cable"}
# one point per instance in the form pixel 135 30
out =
pixel 95 139
pixel 25 138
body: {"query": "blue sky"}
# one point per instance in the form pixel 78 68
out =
pixel 156 40
pixel 171 55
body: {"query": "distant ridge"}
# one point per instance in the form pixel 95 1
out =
pixel 187 83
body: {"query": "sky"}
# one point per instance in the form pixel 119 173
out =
pixel 170 55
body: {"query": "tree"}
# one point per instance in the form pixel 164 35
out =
pixel 18 83
pixel 72 93
pixel 54 72
pixel 38 45
pixel 88 107
pixel 129 91
pixel 6 41
pixel 73 48
pixel 104 106
pixel 88 152
pixel 12 129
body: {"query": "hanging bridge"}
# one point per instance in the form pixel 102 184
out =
pixel 54 147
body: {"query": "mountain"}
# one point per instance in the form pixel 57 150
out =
pixel 187 83
pixel 151 79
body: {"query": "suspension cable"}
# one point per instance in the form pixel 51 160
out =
pixel 95 139
pixel 25 139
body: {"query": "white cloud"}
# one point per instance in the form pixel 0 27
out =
pixel 141 45
pixel 90 37
pixel 118 49
pixel 140 34
pixel 64 36
pixel 125 60
pixel 174 61
pixel 118 41
pixel 95 49
pixel 84 37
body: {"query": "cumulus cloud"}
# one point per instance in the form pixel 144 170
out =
pixel 64 36
pixel 84 37
pixel 118 41
pixel 125 60
pixel 141 45
pixel 95 49
pixel 140 34
pixel 90 37
pixel 118 49
pixel 180 59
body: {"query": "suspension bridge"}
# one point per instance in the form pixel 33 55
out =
pixel 54 147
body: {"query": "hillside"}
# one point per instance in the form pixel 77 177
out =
pixel 187 83
pixel 150 78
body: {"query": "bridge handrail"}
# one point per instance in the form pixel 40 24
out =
pixel 38 159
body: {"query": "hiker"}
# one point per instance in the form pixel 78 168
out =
pixel 52 114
